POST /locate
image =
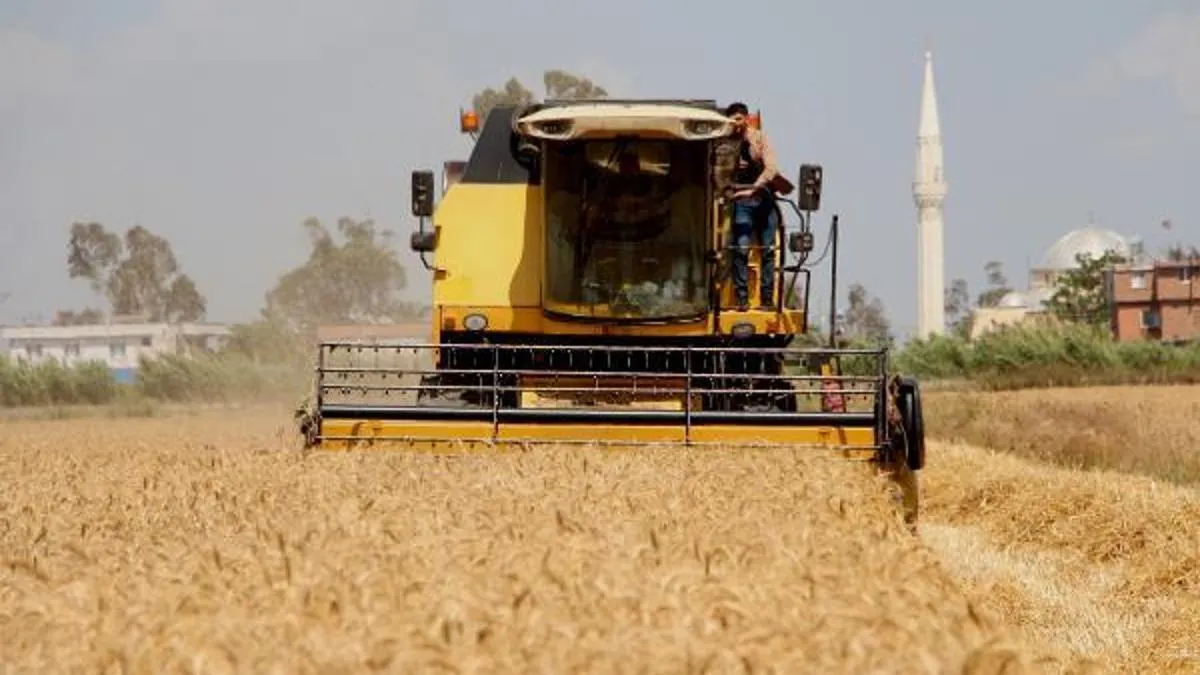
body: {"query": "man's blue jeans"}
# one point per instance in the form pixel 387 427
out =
pixel 754 217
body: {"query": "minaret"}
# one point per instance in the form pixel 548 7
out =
pixel 929 191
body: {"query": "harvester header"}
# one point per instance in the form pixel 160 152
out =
pixel 592 284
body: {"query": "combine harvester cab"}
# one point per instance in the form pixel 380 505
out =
pixel 582 295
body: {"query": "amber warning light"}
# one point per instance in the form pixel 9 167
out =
pixel 468 121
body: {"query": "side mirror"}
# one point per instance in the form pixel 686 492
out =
pixel 423 242
pixel 809 198
pixel 800 242
pixel 422 194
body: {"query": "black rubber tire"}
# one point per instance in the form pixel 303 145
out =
pixel 912 418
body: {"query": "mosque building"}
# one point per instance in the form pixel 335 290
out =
pixel 1059 258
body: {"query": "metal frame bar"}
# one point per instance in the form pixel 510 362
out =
pixel 496 413
pixel 648 375
pixel 689 417
pixel 686 389
pixel 601 443
pixel 572 416
pixel 792 351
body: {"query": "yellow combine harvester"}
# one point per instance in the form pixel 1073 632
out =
pixel 581 294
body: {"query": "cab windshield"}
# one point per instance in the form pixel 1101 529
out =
pixel 625 229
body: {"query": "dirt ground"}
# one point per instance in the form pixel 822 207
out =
pixel 209 543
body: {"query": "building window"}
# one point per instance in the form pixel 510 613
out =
pixel 146 342
pixel 117 349
pixel 72 349
pixel 34 349
pixel 1137 280
pixel 1150 319
pixel 1185 275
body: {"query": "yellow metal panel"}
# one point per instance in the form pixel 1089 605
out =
pixel 833 436
pixel 608 392
pixel 427 436
pixel 765 322
pixel 454 437
pixel 531 320
pixel 589 434
pixel 490 246
pixel 490 250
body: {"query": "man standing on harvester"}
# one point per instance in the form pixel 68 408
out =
pixel 754 210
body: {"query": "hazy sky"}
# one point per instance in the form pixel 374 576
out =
pixel 222 124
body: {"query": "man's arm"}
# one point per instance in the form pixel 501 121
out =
pixel 767 153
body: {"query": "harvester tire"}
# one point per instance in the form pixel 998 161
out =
pixel 912 421
pixel 905 455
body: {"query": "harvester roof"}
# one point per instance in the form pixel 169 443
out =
pixel 608 119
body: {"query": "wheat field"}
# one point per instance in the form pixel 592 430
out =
pixel 209 543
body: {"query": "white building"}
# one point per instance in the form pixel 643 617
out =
pixel 929 194
pixel 117 345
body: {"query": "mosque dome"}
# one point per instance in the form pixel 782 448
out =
pixel 1091 240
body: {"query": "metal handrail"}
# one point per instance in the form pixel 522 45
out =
pixel 495 399
pixel 687 389
pixel 599 373
pixel 797 351
pixel 687 397
pixel 336 382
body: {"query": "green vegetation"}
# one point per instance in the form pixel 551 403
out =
pixel 218 378
pixel 1031 355
pixel 1049 355
pixel 1071 345
pixel 50 383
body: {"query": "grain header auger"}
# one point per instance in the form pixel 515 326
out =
pixel 582 295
